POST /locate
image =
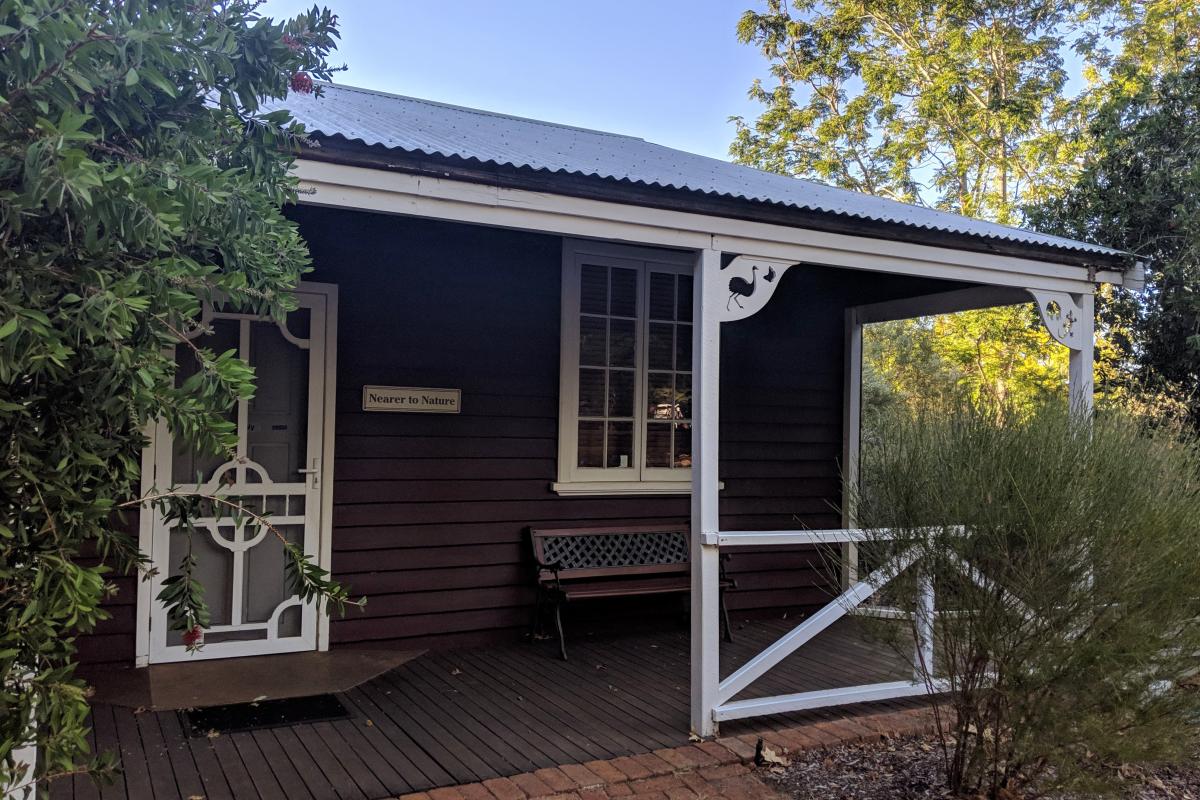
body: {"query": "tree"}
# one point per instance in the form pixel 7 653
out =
pixel 1139 194
pixel 1000 357
pixel 912 100
pixel 960 105
pixel 138 180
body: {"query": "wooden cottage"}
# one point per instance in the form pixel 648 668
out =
pixel 517 331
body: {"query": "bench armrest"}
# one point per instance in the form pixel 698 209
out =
pixel 552 568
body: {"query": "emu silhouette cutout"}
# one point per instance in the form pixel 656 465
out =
pixel 740 287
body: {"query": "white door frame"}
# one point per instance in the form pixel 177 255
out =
pixel 327 386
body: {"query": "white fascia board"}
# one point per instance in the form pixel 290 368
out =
pixel 342 186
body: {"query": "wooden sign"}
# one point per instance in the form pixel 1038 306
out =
pixel 412 399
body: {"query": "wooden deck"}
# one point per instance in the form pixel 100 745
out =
pixel 467 715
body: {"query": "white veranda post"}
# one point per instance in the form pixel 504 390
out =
pixel 705 522
pixel 1081 375
pixel 1071 321
pixel 737 292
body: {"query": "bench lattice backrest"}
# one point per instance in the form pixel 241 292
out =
pixel 580 553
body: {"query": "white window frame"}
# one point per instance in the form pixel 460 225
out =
pixel 636 479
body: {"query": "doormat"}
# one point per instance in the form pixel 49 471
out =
pixel 201 722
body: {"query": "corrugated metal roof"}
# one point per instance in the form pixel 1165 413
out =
pixel 423 126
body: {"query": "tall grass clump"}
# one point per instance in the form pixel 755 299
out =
pixel 1066 562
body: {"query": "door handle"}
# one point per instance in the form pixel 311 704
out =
pixel 314 471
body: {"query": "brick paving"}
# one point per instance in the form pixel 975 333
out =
pixel 722 769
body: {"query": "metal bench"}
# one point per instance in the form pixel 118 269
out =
pixel 596 563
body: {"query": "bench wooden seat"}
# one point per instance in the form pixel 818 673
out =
pixel 597 563
pixel 584 590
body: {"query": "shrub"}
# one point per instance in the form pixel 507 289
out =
pixel 139 177
pixel 1065 647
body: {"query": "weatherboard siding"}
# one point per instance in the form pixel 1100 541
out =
pixel 431 510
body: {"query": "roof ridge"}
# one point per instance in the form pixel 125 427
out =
pixel 480 111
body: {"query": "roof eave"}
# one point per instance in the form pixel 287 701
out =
pixel 340 150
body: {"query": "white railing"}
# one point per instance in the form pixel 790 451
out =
pixel 725 708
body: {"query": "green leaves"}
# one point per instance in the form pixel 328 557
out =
pixel 1138 193
pixel 136 184
pixel 1065 648
pixel 962 106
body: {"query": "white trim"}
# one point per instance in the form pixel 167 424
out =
pixel 344 186
pixel 801 537
pixel 762 287
pixel 636 478
pixel 1081 374
pixel 851 443
pixel 803 701
pixel 325 546
pixel 156 462
pixel 614 488
pixel 141 649
pixel 705 508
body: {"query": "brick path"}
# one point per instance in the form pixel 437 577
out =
pixel 723 768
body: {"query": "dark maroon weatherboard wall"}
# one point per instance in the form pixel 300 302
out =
pixel 430 511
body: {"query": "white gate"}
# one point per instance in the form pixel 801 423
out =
pixel 726 708
pixel 275 472
pixel 733 293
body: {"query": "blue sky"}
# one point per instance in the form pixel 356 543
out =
pixel 670 71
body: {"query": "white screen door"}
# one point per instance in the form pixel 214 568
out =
pixel 276 472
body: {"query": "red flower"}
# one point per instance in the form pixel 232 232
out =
pixel 302 83
pixel 194 637
pixel 292 43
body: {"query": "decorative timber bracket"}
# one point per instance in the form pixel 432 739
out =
pixel 1063 317
pixel 752 282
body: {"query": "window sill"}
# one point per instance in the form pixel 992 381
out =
pixel 624 488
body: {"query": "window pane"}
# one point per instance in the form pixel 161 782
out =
pixel 592 342
pixel 683 300
pixel 591 444
pixel 660 401
pixel 658 444
pixel 683 347
pixel 621 351
pixel 593 293
pixel 591 392
pixel 683 445
pixel 662 295
pixel 661 345
pixel 624 292
pixel 620 444
pixel 620 393
pixel 683 396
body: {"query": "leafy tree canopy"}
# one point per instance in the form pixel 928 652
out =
pixel 996 357
pixel 138 179
pixel 1139 193
pixel 958 104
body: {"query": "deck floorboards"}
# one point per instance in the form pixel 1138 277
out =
pixel 461 716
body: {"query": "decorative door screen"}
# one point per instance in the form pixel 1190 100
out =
pixel 275 473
